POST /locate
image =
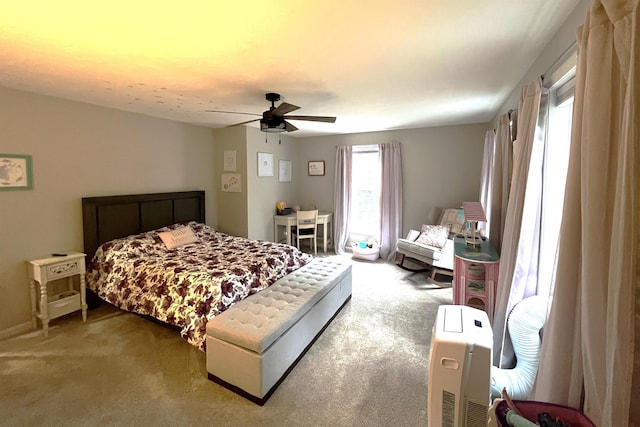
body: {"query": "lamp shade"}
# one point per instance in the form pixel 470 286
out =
pixel 473 211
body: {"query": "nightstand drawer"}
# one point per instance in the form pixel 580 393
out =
pixel 64 303
pixel 63 269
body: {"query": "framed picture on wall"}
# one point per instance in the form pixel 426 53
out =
pixel 231 183
pixel 284 169
pixel 230 160
pixel 316 167
pixel 15 172
pixel 265 164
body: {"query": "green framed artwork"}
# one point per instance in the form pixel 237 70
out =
pixel 16 172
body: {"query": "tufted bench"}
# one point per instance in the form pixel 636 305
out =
pixel 253 345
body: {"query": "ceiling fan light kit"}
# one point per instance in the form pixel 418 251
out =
pixel 273 120
pixel 272 125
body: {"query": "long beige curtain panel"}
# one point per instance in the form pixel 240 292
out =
pixel 589 341
pixel 513 284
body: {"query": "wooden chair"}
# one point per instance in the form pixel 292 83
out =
pixel 306 228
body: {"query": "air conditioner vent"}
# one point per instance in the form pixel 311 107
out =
pixel 475 414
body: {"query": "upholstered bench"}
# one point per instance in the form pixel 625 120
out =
pixel 253 345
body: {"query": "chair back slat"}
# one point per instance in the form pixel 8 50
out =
pixel 307 221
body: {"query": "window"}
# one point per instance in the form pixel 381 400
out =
pixel 365 193
pixel 555 163
pixel 554 175
pixel 534 272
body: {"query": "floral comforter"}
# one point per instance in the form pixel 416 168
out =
pixel 188 285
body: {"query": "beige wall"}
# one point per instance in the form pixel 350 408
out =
pixel 250 213
pixel 265 191
pixel 80 150
pixel 441 167
pixel 232 207
pixel 560 42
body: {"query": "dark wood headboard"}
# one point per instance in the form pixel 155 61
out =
pixel 111 217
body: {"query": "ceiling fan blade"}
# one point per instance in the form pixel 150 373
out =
pixel 243 123
pixel 325 119
pixel 284 108
pixel 232 112
pixel 289 127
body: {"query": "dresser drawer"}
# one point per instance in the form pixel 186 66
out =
pixel 63 269
pixel 64 303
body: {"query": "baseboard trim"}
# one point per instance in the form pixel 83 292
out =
pixel 15 330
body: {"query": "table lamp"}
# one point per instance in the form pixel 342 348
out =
pixel 473 212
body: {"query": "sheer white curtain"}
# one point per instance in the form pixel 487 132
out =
pixel 519 255
pixel 486 178
pixel 390 199
pixel 342 198
pixel 588 344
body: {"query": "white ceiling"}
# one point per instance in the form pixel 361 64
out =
pixel 376 64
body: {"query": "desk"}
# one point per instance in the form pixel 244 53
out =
pixel 324 219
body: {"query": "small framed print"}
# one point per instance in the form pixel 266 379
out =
pixel 284 170
pixel 15 172
pixel 231 183
pixel 265 164
pixel 230 160
pixel 316 167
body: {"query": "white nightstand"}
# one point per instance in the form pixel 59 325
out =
pixel 45 270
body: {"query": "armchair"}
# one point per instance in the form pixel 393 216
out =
pixel 433 244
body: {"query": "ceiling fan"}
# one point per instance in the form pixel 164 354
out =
pixel 273 120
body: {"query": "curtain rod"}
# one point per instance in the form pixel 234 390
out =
pixel 560 67
pixel 563 57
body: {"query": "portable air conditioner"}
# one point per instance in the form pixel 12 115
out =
pixel 460 368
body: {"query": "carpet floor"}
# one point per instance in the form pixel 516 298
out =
pixel 368 368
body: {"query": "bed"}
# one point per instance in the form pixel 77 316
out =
pixel 187 285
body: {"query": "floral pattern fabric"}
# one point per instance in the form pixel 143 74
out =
pixel 188 285
pixel 434 235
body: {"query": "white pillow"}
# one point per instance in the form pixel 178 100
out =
pixel 433 235
pixel 178 237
